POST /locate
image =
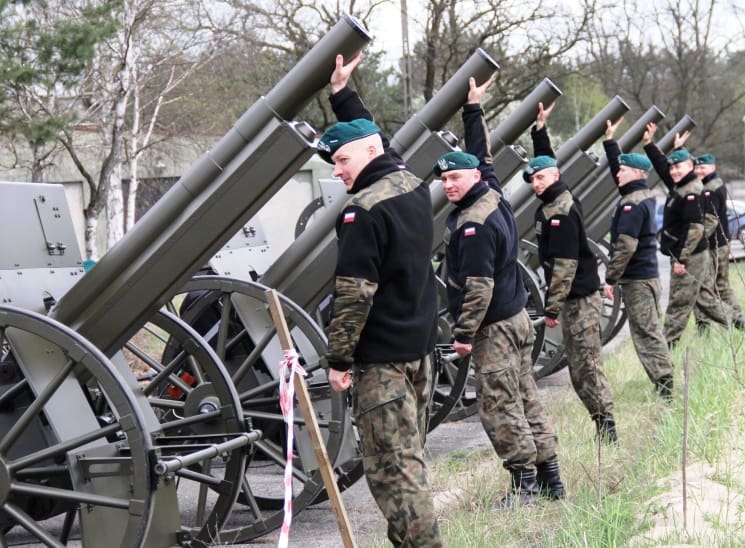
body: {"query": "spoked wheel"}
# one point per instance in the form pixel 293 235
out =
pixel 198 408
pixel 453 388
pixel 454 392
pixel 614 313
pixel 548 350
pixel 61 458
pixel 232 315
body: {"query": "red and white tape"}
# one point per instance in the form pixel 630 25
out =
pixel 288 368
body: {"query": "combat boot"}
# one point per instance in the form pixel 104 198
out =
pixel 606 426
pixel 524 490
pixel 549 481
pixel 664 387
pixel 739 323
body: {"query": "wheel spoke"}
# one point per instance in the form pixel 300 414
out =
pixel 34 409
pixel 61 448
pixel 30 524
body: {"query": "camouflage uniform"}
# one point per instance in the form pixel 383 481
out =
pixel 383 327
pixel 633 266
pixel 684 242
pixel 572 292
pixel 716 229
pixel 390 407
pixel 487 298
pixel 509 406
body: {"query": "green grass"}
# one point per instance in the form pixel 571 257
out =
pixel 611 490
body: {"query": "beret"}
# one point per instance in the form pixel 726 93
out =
pixel 677 156
pixel 342 133
pixel 537 164
pixel 455 160
pixel 706 159
pixel 635 160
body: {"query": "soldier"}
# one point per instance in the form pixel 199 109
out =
pixel 633 261
pixel 572 284
pixel 487 298
pixel 715 194
pixel 383 320
pixel 683 239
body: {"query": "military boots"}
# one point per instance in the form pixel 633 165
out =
pixel 549 481
pixel 524 489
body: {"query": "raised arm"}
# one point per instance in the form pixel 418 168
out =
pixel 539 132
pixel 476 133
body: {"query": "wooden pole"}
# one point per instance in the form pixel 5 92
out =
pixel 303 399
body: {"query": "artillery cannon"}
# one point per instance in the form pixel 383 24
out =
pixel 81 437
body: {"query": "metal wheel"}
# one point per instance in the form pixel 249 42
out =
pixel 60 457
pixel 548 352
pixel 453 391
pixel 453 388
pixel 232 315
pixel 198 407
pixel 613 311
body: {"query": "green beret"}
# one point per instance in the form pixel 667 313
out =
pixel 680 155
pixel 342 133
pixel 537 164
pixel 635 160
pixel 455 160
pixel 706 159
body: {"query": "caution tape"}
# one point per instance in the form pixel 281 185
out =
pixel 289 367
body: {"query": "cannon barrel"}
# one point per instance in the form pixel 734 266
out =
pixel 506 157
pixel 598 191
pixel 593 130
pixel 524 115
pixel 448 99
pixel 571 158
pixel 304 272
pixel 226 187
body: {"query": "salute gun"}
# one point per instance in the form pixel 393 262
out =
pixel 80 436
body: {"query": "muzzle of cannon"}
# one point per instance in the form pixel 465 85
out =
pixel 508 158
pixel 81 437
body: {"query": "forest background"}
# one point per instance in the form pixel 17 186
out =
pixel 141 73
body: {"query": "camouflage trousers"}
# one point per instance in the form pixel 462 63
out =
pixel 695 287
pixel 391 409
pixel 580 328
pixel 641 300
pixel 509 406
pixel 719 271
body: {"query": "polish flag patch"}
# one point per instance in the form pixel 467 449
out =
pixel 555 222
pixel 690 198
pixel 707 193
pixel 470 231
pixel 627 208
pixel 349 217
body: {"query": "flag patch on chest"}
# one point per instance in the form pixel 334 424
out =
pixel 470 231
pixel 690 197
pixel 627 208
pixel 349 217
pixel 555 222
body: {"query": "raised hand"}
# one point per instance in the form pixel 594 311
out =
pixel 543 114
pixel 342 72
pixel 476 93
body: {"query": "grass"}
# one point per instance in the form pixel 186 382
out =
pixel 616 493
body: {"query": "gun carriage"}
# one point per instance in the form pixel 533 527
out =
pixel 82 438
